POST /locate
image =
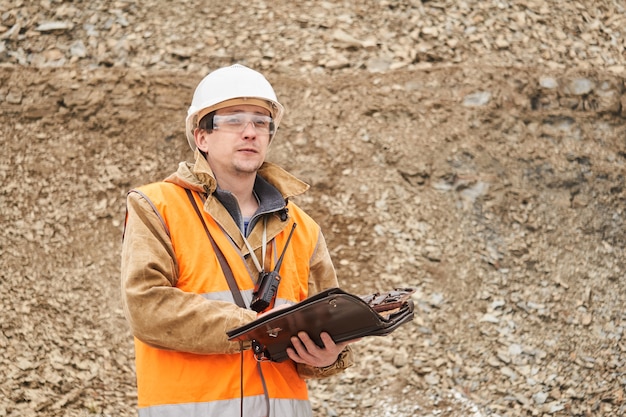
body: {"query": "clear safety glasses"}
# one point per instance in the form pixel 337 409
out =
pixel 238 122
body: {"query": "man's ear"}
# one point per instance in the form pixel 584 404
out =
pixel 202 142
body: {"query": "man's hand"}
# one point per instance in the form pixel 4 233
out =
pixel 307 352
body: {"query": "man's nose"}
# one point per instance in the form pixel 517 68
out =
pixel 249 129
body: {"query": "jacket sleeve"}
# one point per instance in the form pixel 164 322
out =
pixel 160 314
pixel 323 276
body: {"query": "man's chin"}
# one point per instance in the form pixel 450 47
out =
pixel 248 168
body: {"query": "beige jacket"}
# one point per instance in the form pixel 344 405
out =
pixel 161 315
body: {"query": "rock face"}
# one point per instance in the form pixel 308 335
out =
pixel 473 150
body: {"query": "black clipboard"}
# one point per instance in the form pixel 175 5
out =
pixel 342 315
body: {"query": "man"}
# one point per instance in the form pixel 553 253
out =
pixel 177 259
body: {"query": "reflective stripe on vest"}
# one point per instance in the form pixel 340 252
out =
pixel 173 384
pixel 247 296
pixel 253 407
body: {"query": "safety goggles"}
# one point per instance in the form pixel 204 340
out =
pixel 238 122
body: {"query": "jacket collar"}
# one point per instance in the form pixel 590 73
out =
pixel 274 186
pixel 269 198
pixel 199 177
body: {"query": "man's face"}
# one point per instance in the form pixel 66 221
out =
pixel 239 140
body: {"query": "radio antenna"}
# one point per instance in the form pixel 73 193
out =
pixel 280 260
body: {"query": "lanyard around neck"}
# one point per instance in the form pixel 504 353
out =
pixel 255 260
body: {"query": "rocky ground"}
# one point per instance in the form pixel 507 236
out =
pixel 473 150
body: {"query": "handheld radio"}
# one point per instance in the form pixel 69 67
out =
pixel 267 284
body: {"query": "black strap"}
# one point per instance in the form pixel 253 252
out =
pixel 232 284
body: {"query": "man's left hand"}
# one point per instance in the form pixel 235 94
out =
pixel 305 350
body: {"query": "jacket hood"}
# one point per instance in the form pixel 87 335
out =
pixel 199 177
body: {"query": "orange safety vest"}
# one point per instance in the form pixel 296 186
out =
pixel 173 384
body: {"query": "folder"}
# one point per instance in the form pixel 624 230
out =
pixel 342 315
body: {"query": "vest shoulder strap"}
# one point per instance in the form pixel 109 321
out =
pixel 230 279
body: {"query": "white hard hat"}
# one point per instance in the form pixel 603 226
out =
pixel 231 86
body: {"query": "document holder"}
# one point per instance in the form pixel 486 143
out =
pixel 342 315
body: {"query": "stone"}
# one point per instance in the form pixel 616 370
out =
pixel 54 26
pixel 480 98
